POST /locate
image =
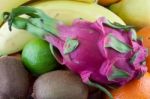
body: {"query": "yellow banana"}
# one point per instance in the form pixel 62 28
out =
pixel 65 11
pixel 13 41
pixel 6 5
pixel 87 1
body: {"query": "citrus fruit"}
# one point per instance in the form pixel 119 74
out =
pixel 107 2
pixel 37 57
pixel 136 89
pixel 145 34
pixel 148 63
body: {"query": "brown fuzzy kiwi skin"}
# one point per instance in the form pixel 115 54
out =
pixel 14 81
pixel 3 96
pixel 60 84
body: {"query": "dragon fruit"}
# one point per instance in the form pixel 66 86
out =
pixel 108 54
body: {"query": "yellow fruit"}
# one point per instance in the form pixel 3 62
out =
pixel 6 5
pixel 86 1
pixel 12 41
pixel 133 12
pixel 66 11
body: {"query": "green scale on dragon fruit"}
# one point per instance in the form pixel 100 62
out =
pixel 101 52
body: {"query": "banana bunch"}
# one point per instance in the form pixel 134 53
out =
pixel 64 10
pixel 7 6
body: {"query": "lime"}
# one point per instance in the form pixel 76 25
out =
pixel 37 57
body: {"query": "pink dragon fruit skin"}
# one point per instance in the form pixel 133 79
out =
pixel 92 59
pixel 101 52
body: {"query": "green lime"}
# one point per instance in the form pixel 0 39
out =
pixel 38 58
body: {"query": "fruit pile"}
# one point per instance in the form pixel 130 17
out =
pixel 75 49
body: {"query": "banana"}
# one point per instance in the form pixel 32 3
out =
pixel 6 5
pixel 66 11
pixel 87 1
pixel 13 41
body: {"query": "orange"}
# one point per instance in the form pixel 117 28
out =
pixel 145 34
pixel 136 89
pixel 148 63
pixel 107 2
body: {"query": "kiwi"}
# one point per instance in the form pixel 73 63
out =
pixel 2 96
pixel 59 84
pixel 14 81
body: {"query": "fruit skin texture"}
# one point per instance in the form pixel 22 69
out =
pixel 136 89
pixel 133 12
pixel 148 62
pixel 37 57
pixel 7 6
pixel 116 55
pixel 14 81
pixel 12 41
pixel 107 53
pixel 113 49
pixel 144 33
pixel 85 1
pixel 59 85
pixel 107 2
pixel 99 66
pixel 66 11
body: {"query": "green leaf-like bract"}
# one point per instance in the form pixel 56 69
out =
pixel 35 21
pixel 118 25
pixel 133 58
pixel 70 45
pixel 103 89
pixel 117 73
pixel 133 34
pixel 117 44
